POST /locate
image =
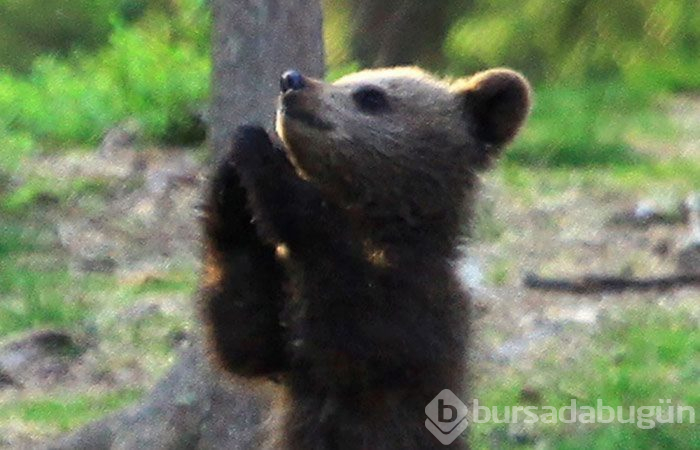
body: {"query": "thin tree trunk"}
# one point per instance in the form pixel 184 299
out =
pixel 254 42
pixel 399 32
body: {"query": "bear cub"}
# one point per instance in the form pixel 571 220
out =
pixel 330 248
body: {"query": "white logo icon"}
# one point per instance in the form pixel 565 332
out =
pixel 447 417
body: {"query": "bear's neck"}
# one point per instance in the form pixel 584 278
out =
pixel 405 239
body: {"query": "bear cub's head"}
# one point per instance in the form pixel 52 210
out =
pixel 398 137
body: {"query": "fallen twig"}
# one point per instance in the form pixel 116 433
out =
pixel 647 219
pixel 590 284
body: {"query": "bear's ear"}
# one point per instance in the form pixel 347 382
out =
pixel 495 103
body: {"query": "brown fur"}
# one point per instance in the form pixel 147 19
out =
pixel 368 216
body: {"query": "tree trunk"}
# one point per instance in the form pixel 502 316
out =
pixel 254 42
pixel 399 32
pixel 192 406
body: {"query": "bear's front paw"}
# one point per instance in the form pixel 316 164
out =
pixel 252 148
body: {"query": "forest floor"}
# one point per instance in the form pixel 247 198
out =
pixel 99 261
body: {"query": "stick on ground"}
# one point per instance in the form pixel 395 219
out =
pixel 591 284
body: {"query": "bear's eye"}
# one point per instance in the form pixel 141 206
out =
pixel 370 99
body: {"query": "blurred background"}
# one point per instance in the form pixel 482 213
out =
pixel 103 119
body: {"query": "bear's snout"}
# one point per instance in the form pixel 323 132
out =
pixel 292 80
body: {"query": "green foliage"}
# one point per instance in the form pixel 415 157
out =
pixel 597 67
pixel 336 30
pixel 337 72
pixel 29 28
pixel 14 146
pixel 641 41
pixel 580 126
pixel 157 73
pixel 648 355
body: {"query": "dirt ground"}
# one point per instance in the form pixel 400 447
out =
pixel 138 223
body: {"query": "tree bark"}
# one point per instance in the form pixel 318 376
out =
pixel 254 42
pixel 399 32
pixel 193 406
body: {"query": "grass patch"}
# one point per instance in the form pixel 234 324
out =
pixel 38 298
pixel 585 126
pixel 68 412
pixel 499 273
pixel 14 239
pixel 679 171
pixel 673 178
pixel 35 291
pixel 635 360
pixel 49 191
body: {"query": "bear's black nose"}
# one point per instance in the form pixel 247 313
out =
pixel 291 80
